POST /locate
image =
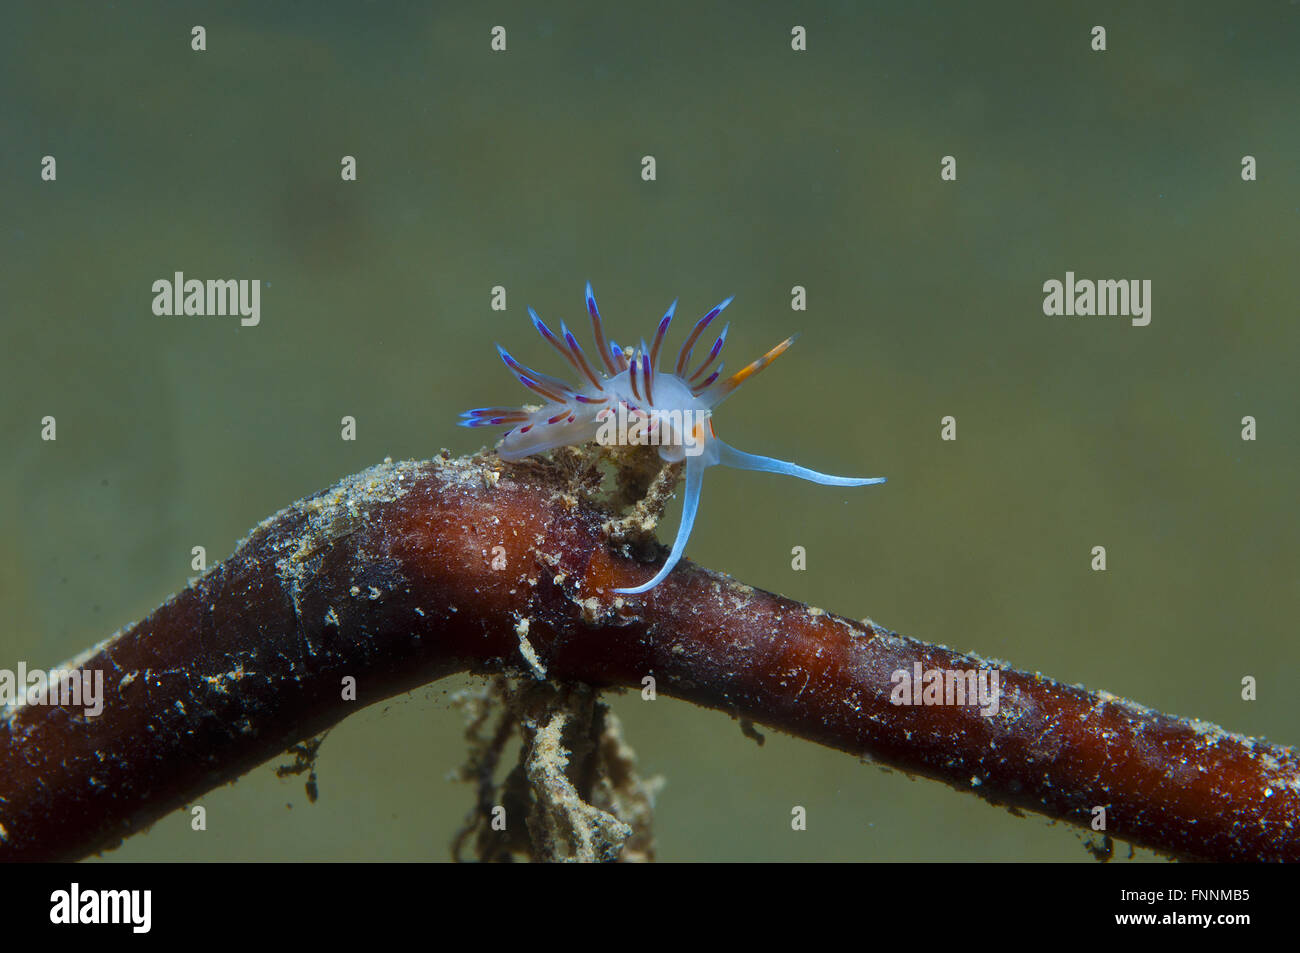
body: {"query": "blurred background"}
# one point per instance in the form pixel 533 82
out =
pixel 775 168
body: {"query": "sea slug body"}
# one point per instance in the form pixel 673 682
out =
pixel 630 399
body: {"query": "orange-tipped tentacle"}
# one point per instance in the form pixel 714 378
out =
pixel 725 387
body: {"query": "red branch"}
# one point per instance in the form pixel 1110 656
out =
pixel 389 578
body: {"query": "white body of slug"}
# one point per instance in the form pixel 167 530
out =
pixel 677 421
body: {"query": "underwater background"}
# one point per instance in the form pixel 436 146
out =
pixel 774 168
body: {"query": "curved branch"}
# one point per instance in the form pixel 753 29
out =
pixel 389 578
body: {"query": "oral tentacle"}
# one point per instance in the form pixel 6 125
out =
pixel 695 467
pixel 729 456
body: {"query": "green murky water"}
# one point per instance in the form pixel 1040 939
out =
pixel 774 169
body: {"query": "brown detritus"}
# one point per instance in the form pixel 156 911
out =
pixel 304 761
pixel 620 790
pixel 638 477
pixel 410 571
pixel 1101 851
pixel 749 731
pixel 488 704
pixel 561 732
pixel 643 485
pixel 575 794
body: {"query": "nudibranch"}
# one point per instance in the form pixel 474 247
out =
pixel 632 401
